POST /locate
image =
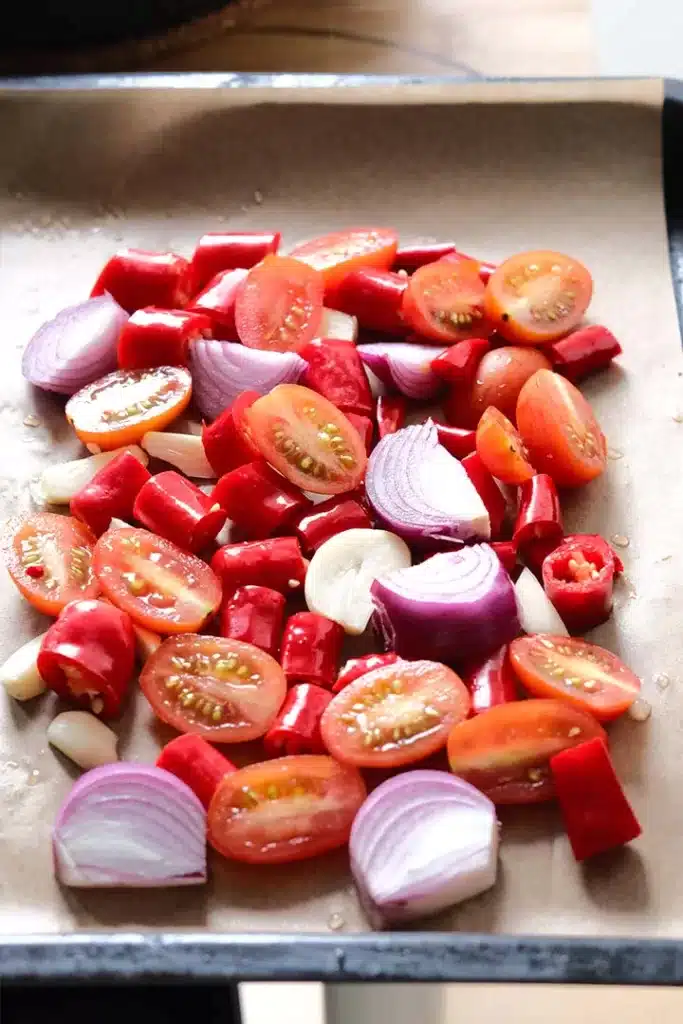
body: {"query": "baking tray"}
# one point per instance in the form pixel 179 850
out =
pixel 594 167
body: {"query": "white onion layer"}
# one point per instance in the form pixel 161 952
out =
pixel 537 614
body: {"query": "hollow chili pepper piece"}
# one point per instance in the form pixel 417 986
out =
pixel 507 553
pixel 159 337
pixel 254 615
pixel 391 414
pixel 172 506
pixel 458 363
pixel 217 302
pixel 490 682
pixel 488 490
pixel 457 440
pixel 365 428
pixel 328 518
pixel 578 578
pixel 296 730
pixel 584 352
pixel 374 297
pixel 357 667
pixel 277 564
pixel 218 251
pixel 199 765
pixel 111 493
pixel 259 500
pixel 225 443
pixel 311 645
pixel 137 278
pixel 412 257
pixel 539 515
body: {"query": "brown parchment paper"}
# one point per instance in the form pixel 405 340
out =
pixel 572 166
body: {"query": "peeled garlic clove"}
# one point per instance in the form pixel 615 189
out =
pixel 61 481
pixel 339 326
pixel 184 451
pixel 83 738
pixel 19 675
pixel 118 524
pixel 344 568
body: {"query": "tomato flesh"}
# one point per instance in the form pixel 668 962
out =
pixel 560 431
pixel 225 690
pixel 162 587
pixel 337 254
pixel 501 449
pixel 118 409
pixel 279 305
pixel 506 751
pixel 535 297
pixel 444 302
pixel 285 810
pixel 50 560
pixel 307 439
pixel 573 670
pixel 395 714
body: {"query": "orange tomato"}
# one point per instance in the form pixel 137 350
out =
pixel 50 560
pixel 501 449
pixel 337 254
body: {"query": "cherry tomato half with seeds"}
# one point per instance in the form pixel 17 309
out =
pixel 535 297
pixel 285 810
pixel 118 409
pixel 444 302
pixel 501 449
pixel 162 587
pixel 50 560
pixel 505 752
pixel 394 715
pixel 500 376
pixel 584 675
pixel 307 439
pixel 560 431
pixel 279 305
pixel 337 254
pixel 225 690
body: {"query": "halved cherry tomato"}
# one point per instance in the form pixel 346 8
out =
pixel 572 670
pixel 395 714
pixel 224 690
pixel 307 439
pixel 536 297
pixel 500 376
pixel 337 254
pixel 444 301
pixel 284 810
pixel 505 751
pixel 161 587
pixel 560 431
pixel 279 305
pixel 118 409
pixel 50 560
pixel 501 449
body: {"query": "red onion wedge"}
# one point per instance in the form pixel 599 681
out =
pixel 130 825
pixel 421 492
pixel 421 842
pixel 76 348
pixel 404 366
pixel 449 608
pixel 222 370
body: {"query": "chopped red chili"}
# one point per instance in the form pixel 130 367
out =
pixel 159 337
pixel 459 362
pixel 391 414
pixel 578 577
pixel 111 493
pixel 225 444
pixel 296 730
pixel 539 516
pixel 137 278
pixel 488 490
pixel 365 428
pixel 172 506
pixel 311 645
pixel 457 440
pixel 217 302
pixel 357 667
pixel 258 500
pixel 490 682
pixel 254 615
pixel 507 553
pixel 374 297
pixel 335 371
pixel 199 765
pixel 584 352
pixel 277 564
pixel 330 517
pixel 218 251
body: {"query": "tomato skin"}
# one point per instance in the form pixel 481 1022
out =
pixel 499 378
pixel 45 533
pixel 611 689
pixel 319 460
pixel 341 252
pixel 505 751
pixel 205 685
pixel 317 800
pixel 560 430
pixel 536 297
pixel 444 302
pixel 176 593
pixel 501 449
pixel 411 704
pixel 279 305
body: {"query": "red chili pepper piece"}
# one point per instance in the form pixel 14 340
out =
pixel 328 518
pixel 507 553
pixel 225 444
pixel 335 371
pixel 412 257
pixel 490 682
pixel 357 667
pixel 254 615
pixel 311 645
pixel 217 302
pixel 578 578
pixel 258 500
pixel 457 440
pixel 459 362
pixel 217 251
pixel 374 297
pixel 539 516
pixel 602 544
pixel 111 493
pixel 596 813
pixel 172 506
pixel 485 269
pixel 536 552
pixel 584 352
pixel 88 655
pixel 159 337
pixel 196 763
pixel 391 414
pixel 488 490
pixel 365 428
pixel 277 564
pixel 296 730
pixel 137 278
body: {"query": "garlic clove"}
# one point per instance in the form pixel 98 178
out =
pixel 83 738
pixel 19 675
pixel 339 326
pixel 61 481
pixel 184 451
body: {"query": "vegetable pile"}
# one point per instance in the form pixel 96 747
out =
pixel 386 433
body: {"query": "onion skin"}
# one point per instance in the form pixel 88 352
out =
pixel 449 608
pixel 404 366
pixel 222 370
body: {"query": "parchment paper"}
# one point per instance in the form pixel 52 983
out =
pixel 575 167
